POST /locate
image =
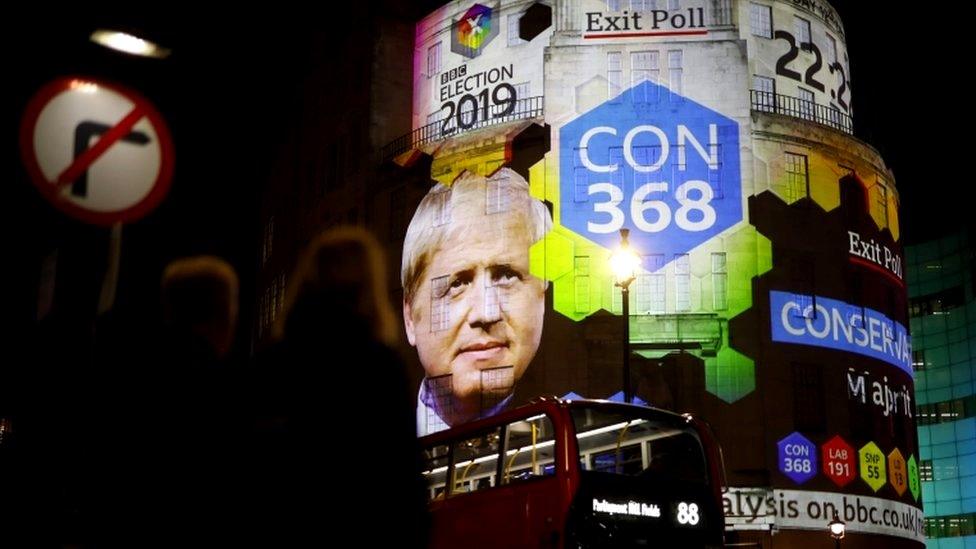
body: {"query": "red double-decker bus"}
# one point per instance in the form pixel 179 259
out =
pixel 576 474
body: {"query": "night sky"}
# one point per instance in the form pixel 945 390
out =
pixel 231 91
pixel 910 104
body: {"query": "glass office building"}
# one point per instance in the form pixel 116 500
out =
pixel 942 291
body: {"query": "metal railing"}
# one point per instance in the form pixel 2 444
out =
pixel 824 115
pixel 463 121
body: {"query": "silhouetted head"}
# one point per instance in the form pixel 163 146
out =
pixel 199 296
pixel 340 281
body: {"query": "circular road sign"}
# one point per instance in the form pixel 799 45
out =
pixel 98 152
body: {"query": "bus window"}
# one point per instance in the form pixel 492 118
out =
pixel 626 460
pixel 626 445
pixel 436 459
pixel 530 449
pixel 678 456
pixel 475 461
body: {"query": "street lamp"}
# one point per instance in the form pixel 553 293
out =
pixel 837 529
pixel 624 262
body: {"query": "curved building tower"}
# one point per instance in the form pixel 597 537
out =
pixel 771 296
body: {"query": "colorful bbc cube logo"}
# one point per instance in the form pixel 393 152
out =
pixel 474 30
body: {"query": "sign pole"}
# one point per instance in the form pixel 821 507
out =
pixel 110 282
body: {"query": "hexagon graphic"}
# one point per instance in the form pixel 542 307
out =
pixel 873 469
pixel 839 461
pixel 474 30
pixel 913 481
pixel 797 458
pixel 897 471
pixel 654 162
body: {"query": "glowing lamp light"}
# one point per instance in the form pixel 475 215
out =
pixel 127 43
pixel 624 261
pixel 837 528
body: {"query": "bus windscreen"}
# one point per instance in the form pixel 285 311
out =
pixel 644 479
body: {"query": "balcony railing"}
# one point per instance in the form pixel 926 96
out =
pixel 463 121
pixel 800 108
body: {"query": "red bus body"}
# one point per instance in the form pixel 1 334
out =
pixel 560 496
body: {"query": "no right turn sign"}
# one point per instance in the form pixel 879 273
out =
pixel 97 151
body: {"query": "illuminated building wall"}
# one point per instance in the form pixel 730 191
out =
pixel 941 285
pixel 771 299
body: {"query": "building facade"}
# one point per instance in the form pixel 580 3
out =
pixel 942 292
pixel 770 299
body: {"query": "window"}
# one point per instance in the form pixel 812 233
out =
pixel 765 93
pixel 715 174
pixel 580 183
pixel 678 167
pixel 834 118
pixel 496 383
pixel 937 303
pixel 613 5
pixel 638 6
pixel 925 470
pixel 651 287
pixel 435 464
pixel 581 283
pixel 808 398
pixel 529 450
pixel 612 443
pixel 682 283
pixel 946 411
pixel 950 526
pixel 513 29
pixel 265 298
pixel 761 20
pixel 879 202
pixel 645 65
pixel 614 74
pixel 806 105
pixel 854 314
pixel 475 462
pixel 721 12
pixel 801 31
pixel 802 278
pixel 720 282
pixel 433 60
pixel 494 300
pixel 440 390
pixel 497 196
pixel 279 296
pixel 832 49
pixel 522 103
pixel 440 312
pixel 626 460
pixel 797 178
pixel 617 176
pixel 675 73
pixel 267 245
pixel 442 207
pixel 918 359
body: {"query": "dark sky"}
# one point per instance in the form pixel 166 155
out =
pixel 910 103
pixel 908 98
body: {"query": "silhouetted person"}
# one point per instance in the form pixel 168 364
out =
pixel 175 435
pixel 338 456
